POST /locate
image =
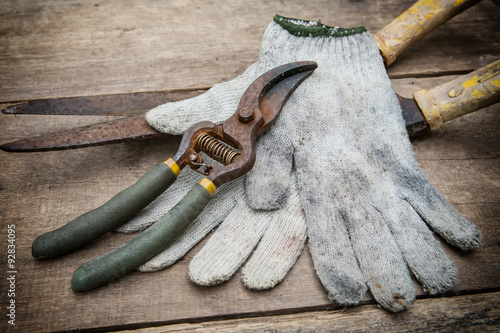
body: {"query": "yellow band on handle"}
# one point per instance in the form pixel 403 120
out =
pixel 208 185
pixel 173 166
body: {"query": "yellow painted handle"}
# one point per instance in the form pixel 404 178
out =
pixel 420 19
pixel 466 94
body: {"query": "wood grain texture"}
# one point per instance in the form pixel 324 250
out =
pixel 71 48
pixel 477 313
pixel 42 191
pixel 81 48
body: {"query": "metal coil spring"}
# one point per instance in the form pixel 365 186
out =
pixel 216 149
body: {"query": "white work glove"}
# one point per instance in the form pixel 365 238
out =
pixel 274 239
pixel 366 200
pixel 364 196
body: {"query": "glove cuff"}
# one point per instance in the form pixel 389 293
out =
pixel 303 28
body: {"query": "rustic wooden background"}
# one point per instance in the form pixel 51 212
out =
pixel 52 49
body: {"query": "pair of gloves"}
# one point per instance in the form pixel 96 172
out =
pixel 337 168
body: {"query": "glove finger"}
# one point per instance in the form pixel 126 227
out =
pixel 268 182
pixel 351 245
pixel 216 211
pixel 279 248
pixel 422 252
pixel 328 239
pixel 427 201
pixel 444 218
pixel 333 255
pixel 216 105
pixel 380 258
pixel 230 246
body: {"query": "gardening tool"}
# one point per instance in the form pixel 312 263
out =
pixel 230 144
pixel 420 19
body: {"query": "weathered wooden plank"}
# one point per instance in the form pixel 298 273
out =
pixel 44 190
pixel 60 48
pixel 475 313
pixel 72 48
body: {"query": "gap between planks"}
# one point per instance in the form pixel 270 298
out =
pixel 479 312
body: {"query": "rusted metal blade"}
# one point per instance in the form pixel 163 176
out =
pixel 113 105
pixel 413 116
pixel 123 129
pixel 276 97
pixel 136 128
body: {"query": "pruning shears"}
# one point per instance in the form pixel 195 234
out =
pixel 230 147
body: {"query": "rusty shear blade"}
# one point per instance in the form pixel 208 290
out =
pixel 232 142
pixel 123 129
pixel 129 104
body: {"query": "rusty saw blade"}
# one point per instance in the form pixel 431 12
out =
pixel 111 105
pixel 120 130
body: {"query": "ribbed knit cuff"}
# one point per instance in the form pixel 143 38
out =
pixel 303 28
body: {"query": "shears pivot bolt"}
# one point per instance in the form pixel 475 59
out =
pixel 245 115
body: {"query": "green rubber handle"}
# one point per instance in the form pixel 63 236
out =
pixel 119 209
pixel 144 246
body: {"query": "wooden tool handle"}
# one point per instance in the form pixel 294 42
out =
pixel 466 94
pixel 420 19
